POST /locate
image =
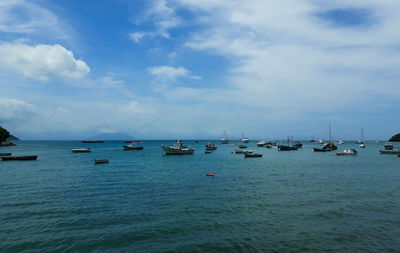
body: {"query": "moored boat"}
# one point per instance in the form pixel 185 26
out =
pixel 96 161
pixel 81 150
pixel 288 147
pixel 242 146
pixel 340 142
pixel 362 146
pixel 177 149
pixel 388 146
pixel 211 146
pixel 131 146
pixel 225 140
pixel 241 151
pixel 19 158
pixel 348 152
pixel 244 139
pixel 247 155
pixel 5 154
pixel 390 152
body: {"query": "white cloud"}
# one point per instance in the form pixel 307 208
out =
pixel 281 51
pixel 20 16
pixel 163 18
pixel 41 62
pixel 14 110
pixel 137 36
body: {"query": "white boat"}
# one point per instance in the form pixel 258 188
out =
pixel 361 141
pixel 362 145
pixel 348 152
pixel 320 142
pixel 225 140
pixel 242 151
pixel 177 149
pixel 340 142
pixel 263 143
pixel 81 150
pixel 244 139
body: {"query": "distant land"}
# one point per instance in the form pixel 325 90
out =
pixel 395 137
pixel 110 136
pixel 13 138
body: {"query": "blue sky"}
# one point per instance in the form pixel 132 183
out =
pixel 190 69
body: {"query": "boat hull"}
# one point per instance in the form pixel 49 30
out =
pixel 389 152
pixel 19 158
pixel 97 161
pixel 248 155
pixel 132 148
pixel 81 151
pixel 177 151
pixel 5 154
pixel 287 148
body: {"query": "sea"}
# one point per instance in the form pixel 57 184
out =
pixel 144 201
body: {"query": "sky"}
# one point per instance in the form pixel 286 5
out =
pixel 189 69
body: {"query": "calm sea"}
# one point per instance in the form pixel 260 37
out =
pixel 142 201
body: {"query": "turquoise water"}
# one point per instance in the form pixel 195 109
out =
pixel 142 201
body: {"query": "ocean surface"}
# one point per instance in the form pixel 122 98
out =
pixel 143 201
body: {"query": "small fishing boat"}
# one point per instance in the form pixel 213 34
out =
pixel 131 146
pixel 262 143
pixel 248 155
pixel 242 146
pixel 92 141
pixel 388 146
pixel 81 150
pixel 329 146
pixel 340 142
pixel 348 152
pixel 19 158
pixel 207 152
pixel 96 161
pixel 241 151
pixel 177 149
pixel 288 147
pixel 320 142
pixel 5 154
pixel 211 146
pixel 362 146
pixel 389 152
pixel 269 145
pixel 298 144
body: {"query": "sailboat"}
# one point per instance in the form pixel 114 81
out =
pixel 225 140
pixel 244 139
pixel 327 146
pixel 361 141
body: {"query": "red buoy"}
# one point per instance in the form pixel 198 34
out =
pixel 209 175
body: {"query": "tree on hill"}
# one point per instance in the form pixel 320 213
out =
pixel 395 137
pixel 4 134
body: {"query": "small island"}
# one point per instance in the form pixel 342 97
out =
pixel 5 138
pixel 395 138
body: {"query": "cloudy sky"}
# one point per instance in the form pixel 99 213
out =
pixel 161 69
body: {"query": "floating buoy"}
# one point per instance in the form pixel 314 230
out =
pixel 209 175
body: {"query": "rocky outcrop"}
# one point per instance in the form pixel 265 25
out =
pixel 395 137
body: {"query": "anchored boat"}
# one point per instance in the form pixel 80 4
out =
pixel 81 150
pixel 177 149
pixel 348 152
pixel 19 158
pixel 131 146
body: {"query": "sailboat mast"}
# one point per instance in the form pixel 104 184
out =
pixel 330 135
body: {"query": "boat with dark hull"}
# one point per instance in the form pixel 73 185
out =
pixel 177 149
pixel 390 152
pixel 249 155
pixel 388 146
pixel 97 161
pixel 348 152
pixel 211 146
pixel 19 158
pixel 81 150
pixel 132 146
pixel 329 146
pixel 5 154
pixel 288 147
